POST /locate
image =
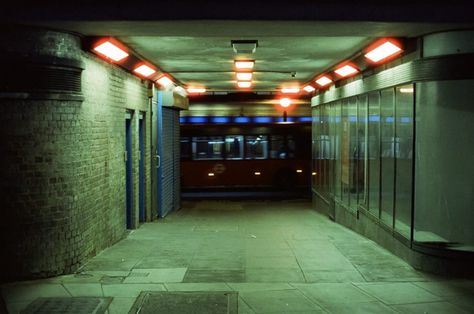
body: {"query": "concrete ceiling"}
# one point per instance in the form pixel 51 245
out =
pixel 199 52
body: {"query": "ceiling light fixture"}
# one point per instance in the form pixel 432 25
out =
pixel 244 64
pixel 144 70
pixel 346 70
pixel 196 90
pixel 164 81
pixel 111 51
pixel 323 81
pixel 244 84
pixel 382 51
pixel 309 88
pixel 244 76
pixel 290 90
pixel 285 102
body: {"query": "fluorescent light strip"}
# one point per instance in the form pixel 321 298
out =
pixel 111 51
pixel 144 70
pixel 164 81
pixel 309 88
pixel 244 76
pixel 244 64
pixel 346 70
pixel 290 90
pixel 244 84
pixel 323 81
pixel 383 51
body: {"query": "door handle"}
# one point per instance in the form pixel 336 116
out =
pixel 158 161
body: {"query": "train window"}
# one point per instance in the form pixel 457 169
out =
pixel 185 146
pixel 256 147
pixel 291 146
pixel 234 147
pixel 207 147
pixel 277 147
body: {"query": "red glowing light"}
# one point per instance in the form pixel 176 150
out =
pixel 346 70
pixel 383 50
pixel 111 51
pixel 144 70
pixel 164 81
pixel 285 102
pixel 323 81
pixel 309 88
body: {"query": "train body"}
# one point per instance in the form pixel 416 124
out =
pixel 273 156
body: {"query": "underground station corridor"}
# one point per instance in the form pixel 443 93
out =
pixel 186 157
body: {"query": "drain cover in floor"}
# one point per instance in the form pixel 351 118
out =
pixel 83 305
pixel 186 302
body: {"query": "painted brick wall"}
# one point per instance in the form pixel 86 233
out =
pixel 62 179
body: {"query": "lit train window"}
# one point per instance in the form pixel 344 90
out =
pixel 256 147
pixel 234 147
pixel 207 147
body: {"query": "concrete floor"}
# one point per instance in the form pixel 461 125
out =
pixel 281 257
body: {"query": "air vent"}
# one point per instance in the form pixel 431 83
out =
pixel 244 46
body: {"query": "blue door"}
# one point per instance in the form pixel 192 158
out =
pixel 128 172
pixel 141 170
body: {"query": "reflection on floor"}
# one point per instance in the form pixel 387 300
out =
pixel 280 256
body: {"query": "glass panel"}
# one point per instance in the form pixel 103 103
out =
pixel 374 152
pixel 353 152
pixel 345 152
pixel 444 168
pixel 315 144
pixel 337 146
pixel 256 147
pixel 185 148
pixel 277 147
pixel 324 150
pixel 208 147
pixel 387 130
pixel 291 146
pixel 361 150
pixel 404 157
pixel 234 147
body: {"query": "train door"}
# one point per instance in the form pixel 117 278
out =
pixel 128 170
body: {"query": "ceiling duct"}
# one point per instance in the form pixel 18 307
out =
pixel 244 46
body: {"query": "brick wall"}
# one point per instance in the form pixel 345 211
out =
pixel 62 179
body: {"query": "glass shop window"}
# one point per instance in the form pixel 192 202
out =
pixel 208 147
pixel 256 147
pixel 234 147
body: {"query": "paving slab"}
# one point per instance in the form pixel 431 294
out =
pixel 398 292
pixel 290 301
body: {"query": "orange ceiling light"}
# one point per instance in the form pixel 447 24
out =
pixel 323 81
pixel 285 102
pixel 383 50
pixel 290 90
pixel 244 76
pixel 346 70
pixel 244 84
pixel 244 64
pixel 309 88
pixel 144 70
pixel 196 90
pixel 164 81
pixel 111 50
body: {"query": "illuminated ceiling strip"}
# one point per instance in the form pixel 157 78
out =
pixel 111 51
pixel 383 51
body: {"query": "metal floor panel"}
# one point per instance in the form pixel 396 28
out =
pixel 79 305
pixel 186 302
